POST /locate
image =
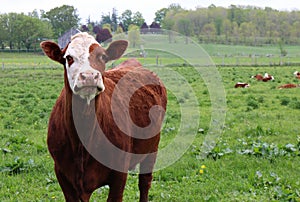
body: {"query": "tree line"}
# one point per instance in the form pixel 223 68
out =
pixel 247 25
pixel 19 30
pixel 235 25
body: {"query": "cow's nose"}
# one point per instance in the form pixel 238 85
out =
pixel 88 76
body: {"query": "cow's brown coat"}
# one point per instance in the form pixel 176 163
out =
pixel 78 173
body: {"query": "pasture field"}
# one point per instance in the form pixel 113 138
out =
pixel 256 158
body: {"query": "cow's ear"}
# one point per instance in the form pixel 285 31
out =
pixel 53 51
pixel 116 49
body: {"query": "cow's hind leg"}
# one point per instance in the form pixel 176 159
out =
pixel 145 176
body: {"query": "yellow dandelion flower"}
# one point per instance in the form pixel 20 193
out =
pixel 203 166
pixel 201 171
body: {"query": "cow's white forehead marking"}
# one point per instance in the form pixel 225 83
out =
pixel 79 46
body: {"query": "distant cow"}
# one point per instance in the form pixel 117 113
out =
pixel 289 85
pixel 258 77
pixel 297 74
pixel 104 123
pixel 241 85
pixel 265 78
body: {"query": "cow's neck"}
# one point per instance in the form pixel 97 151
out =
pixel 80 116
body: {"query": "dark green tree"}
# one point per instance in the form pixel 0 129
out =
pixel 126 19
pixel 160 15
pixel 4 33
pixel 20 30
pixel 105 19
pixel 62 19
pixel 31 30
pixel 138 19
pixel 114 19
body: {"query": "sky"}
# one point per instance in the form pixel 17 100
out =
pixel 96 8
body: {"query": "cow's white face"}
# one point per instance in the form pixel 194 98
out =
pixel 84 60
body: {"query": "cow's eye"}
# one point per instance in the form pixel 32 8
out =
pixel 104 58
pixel 70 60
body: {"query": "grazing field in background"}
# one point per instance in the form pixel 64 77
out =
pixel 257 157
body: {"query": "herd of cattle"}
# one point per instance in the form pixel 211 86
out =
pixel 267 77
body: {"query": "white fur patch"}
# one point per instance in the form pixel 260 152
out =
pixel 78 49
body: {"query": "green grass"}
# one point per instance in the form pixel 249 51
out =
pixel 256 157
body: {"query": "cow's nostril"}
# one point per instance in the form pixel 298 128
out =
pixel 82 76
pixel 100 89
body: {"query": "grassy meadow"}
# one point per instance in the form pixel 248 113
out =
pixel 256 157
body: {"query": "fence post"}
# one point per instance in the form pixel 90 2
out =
pixel 2 65
pixel 237 61
pixel 223 61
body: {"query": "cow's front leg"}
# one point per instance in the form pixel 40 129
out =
pixel 70 193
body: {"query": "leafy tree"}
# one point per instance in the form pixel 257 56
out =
pixel 198 18
pixel 105 19
pixel 134 35
pixel 296 29
pixel 160 15
pixel 138 19
pixel 20 30
pixel 4 33
pixel 285 31
pixel 235 31
pixel 114 19
pixel 175 7
pixel 62 19
pixel 119 33
pixel 32 29
pixel 34 14
pixel 164 13
pixel 209 30
pixel 226 28
pixel 247 30
pixel 107 26
pixel 283 52
pixel 168 24
pixel 184 26
pixel 126 19
pixel 11 26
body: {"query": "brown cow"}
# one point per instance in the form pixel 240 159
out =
pixel 104 123
pixel 258 77
pixel 265 78
pixel 289 85
pixel 297 74
pixel 241 85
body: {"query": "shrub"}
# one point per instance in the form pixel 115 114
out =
pixel 252 103
pixel 295 104
pixel 284 101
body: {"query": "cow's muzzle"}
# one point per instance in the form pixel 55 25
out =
pixel 89 84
